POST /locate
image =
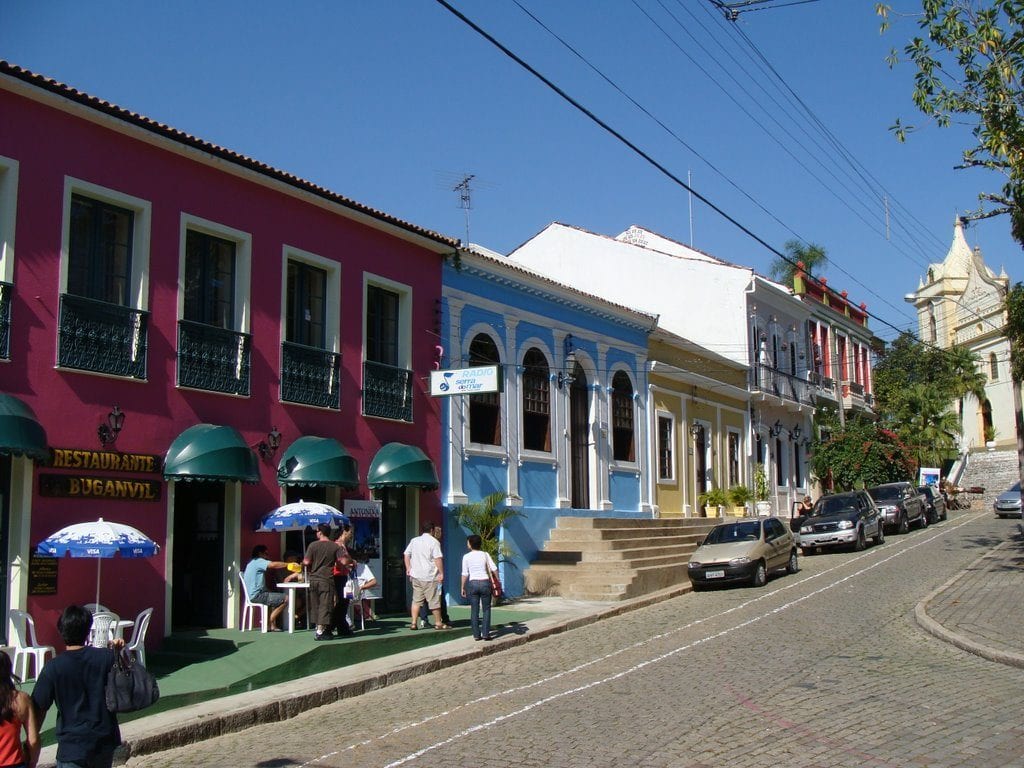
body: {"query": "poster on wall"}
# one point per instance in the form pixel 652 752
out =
pixel 365 516
pixel 929 476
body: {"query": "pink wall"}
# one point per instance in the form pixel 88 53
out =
pixel 50 144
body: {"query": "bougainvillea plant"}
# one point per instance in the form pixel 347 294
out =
pixel 861 454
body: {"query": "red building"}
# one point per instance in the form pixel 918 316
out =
pixel 179 325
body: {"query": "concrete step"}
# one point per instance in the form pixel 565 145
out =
pixel 636 539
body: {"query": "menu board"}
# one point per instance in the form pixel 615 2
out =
pixel 42 575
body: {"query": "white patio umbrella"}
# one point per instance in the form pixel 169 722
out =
pixel 299 514
pixel 98 539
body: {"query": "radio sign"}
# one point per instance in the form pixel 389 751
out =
pixel 479 380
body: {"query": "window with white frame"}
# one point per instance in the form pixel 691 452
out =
pixel 387 380
pixel 8 215
pixel 666 447
pixel 622 417
pixel 310 361
pixel 993 366
pixel 536 401
pixel 484 409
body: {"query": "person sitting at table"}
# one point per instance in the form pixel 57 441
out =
pixel 363 576
pixel 292 573
pixel 255 576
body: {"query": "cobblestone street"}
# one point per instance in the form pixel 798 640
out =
pixel 825 668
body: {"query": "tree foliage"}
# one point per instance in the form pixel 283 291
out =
pixel 969 61
pixel 485 518
pixel 1015 330
pixel 812 256
pixel 861 454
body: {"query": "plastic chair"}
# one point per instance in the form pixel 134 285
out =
pixel 137 643
pixel 96 608
pixel 102 631
pixel 26 647
pixel 249 610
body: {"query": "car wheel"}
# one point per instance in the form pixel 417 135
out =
pixel 861 542
pixel 903 526
pixel 945 514
pixel 760 575
pixel 924 520
pixel 793 566
pixel 879 538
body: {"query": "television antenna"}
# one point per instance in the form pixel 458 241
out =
pixel 732 10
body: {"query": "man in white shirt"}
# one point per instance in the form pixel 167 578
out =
pixel 425 568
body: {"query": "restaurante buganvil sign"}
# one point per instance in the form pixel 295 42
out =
pixel 89 486
pixel 106 461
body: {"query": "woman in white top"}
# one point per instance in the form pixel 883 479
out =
pixel 477 567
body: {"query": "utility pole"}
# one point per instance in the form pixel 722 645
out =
pixel 465 198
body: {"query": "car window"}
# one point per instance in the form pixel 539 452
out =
pixel 830 505
pixel 885 493
pixel 748 530
pixel 774 529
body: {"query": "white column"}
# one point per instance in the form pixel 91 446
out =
pixel 513 404
pixel 456 410
pixel 603 433
pixel 560 422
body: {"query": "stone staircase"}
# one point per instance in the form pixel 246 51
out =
pixel 995 471
pixel 601 558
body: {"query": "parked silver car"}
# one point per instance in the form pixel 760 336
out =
pixel 743 551
pixel 901 506
pixel 842 519
pixel 1007 503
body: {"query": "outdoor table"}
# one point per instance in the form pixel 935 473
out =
pixel 290 587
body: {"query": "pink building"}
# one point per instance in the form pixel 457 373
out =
pixel 190 338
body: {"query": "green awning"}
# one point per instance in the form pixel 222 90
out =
pixel 398 464
pixel 21 434
pixel 318 461
pixel 211 452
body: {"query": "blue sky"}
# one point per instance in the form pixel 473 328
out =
pixel 391 102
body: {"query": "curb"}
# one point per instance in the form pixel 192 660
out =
pixel 958 639
pixel 282 701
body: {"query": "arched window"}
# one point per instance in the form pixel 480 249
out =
pixel 622 417
pixel 536 401
pixel 484 410
pixel 932 332
pixel 993 366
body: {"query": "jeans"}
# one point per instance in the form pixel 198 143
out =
pixel 104 758
pixel 479 594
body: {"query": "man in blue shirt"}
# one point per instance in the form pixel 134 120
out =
pixel 255 576
pixel 87 732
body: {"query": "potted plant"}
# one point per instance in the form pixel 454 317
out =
pixel 990 437
pixel 761 499
pixel 712 501
pixel 739 495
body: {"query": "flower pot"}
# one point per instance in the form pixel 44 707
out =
pixel 764 508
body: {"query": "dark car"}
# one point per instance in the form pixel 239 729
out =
pixel 935 503
pixel 842 519
pixel 900 505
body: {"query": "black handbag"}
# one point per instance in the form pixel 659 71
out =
pixel 130 686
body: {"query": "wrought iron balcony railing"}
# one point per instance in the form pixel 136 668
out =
pixel 214 359
pixel 102 337
pixel 855 388
pixel 6 292
pixel 774 382
pixel 387 391
pixel 310 375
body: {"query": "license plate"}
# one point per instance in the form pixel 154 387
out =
pixel 714 575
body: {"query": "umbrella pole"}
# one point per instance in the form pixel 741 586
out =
pixel 99 563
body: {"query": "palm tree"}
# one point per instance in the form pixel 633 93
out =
pixel 812 255
pixel 927 425
pixel 485 519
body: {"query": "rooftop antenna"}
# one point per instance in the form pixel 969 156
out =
pixel 465 198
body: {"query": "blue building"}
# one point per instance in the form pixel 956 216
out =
pixel 569 433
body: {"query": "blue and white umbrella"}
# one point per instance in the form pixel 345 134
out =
pixel 98 539
pixel 299 514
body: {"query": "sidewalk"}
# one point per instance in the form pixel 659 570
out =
pixel 979 609
pixel 523 621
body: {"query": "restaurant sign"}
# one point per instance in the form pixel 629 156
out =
pixel 88 487
pixel 478 380
pixel 105 461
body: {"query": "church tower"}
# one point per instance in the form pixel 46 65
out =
pixel 962 301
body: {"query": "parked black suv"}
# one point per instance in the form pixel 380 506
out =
pixel 900 505
pixel 935 504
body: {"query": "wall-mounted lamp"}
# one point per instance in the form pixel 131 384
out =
pixel 267 448
pixel 566 377
pixel 109 431
pixel 776 429
pixel 794 433
pixel 695 429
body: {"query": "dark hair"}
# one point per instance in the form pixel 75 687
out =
pixel 325 529
pixel 475 542
pixel 427 528
pixel 258 550
pixel 8 688
pixel 74 625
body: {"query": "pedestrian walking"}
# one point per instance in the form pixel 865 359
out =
pixel 87 732
pixel 424 565
pixel 16 714
pixel 437 532
pixel 477 567
pixel 321 556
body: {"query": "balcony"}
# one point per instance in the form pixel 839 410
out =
pixel 309 375
pixel 101 337
pixel 6 291
pixel 785 386
pixel 855 398
pixel 387 391
pixel 823 387
pixel 214 359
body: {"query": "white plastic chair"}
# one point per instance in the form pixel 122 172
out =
pixel 96 608
pixel 26 647
pixel 249 610
pixel 103 625
pixel 137 643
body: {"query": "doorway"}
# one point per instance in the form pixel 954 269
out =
pixel 395 535
pixel 700 460
pixel 579 439
pixel 198 584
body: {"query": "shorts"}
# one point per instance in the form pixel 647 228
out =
pixel 273 599
pixel 428 592
pixel 321 602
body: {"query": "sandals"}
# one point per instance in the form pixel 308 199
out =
pixel 414 626
pixel 443 626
